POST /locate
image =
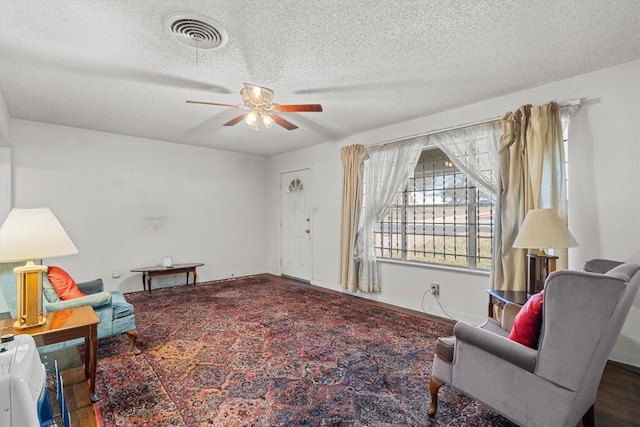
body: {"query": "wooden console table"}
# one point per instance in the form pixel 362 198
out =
pixel 66 325
pixel 149 273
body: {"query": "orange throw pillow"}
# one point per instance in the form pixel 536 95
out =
pixel 526 325
pixel 63 284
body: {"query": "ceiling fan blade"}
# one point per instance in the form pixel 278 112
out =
pixel 284 123
pixel 299 107
pixel 216 103
pixel 235 120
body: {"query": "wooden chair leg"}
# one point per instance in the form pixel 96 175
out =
pixel 133 334
pixel 434 386
pixel 588 419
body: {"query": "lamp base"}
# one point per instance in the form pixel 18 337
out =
pixel 20 327
pixel 29 296
pixel 540 266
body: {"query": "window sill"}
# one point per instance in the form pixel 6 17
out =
pixel 450 268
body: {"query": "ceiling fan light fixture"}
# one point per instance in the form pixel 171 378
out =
pixel 267 120
pixel 256 95
pixel 245 96
pixel 251 119
pixel 266 95
pixel 256 91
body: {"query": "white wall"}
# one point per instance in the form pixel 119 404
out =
pixel 5 161
pixel 5 174
pixel 5 182
pixel 604 194
pixel 127 202
pixel 4 122
pixel 5 199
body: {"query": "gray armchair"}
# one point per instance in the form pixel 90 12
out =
pixel 115 313
pixel 555 384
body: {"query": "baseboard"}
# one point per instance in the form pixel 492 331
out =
pixel 372 298
pixel 624 358
pixel 630 368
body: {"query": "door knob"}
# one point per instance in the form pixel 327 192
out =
pixel 307 231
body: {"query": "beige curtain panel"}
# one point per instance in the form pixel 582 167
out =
pixel 353 157
pixel 531 176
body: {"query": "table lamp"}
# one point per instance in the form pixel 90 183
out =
pixel 32 234
pixel 542 229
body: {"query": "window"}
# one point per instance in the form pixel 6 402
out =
pixel 441 218
pixel 295 185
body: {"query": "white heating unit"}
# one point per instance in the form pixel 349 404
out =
pixel 31 392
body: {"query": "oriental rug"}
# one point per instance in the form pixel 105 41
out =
pixel 266 351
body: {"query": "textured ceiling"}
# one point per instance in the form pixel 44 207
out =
pixel 109 65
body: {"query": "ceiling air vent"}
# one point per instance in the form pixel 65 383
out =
pixel 195 30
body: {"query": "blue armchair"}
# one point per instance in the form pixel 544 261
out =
pixel 115 313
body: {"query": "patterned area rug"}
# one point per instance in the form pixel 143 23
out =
pixel 263 351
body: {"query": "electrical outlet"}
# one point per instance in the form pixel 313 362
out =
pixel 115 274
pixel 435 289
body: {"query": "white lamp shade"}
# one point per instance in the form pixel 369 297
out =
pixel 542 229
pixel 29 234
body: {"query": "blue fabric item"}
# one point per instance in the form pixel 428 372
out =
pixel 50 293
pixel 93 300
pixel 121 308
pixel 9 285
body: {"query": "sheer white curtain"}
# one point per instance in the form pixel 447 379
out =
pixel 566 112
pixel 474 150
pixel 386 174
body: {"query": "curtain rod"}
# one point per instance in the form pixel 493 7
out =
pixel 572 103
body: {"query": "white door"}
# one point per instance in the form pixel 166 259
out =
pixel 296 224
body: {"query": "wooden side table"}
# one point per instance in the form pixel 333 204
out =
pixel 500 298
pixel 149 273
pixel 66 325
pixel 539 268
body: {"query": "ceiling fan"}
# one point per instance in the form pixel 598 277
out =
pixel 259 101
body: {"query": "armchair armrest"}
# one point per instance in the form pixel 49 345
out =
pixel 510 351
pixel 509 313
pixel 600 266
pixel 91 287
pixel 94 300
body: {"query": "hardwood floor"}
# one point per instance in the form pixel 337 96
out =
pixel 76 391
pixel 618 402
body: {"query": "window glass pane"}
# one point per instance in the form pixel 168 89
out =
pixel 295 185
pixel 388 234
pixel 440 218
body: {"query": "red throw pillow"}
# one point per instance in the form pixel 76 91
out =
pixel 63 284
pixel 526 325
